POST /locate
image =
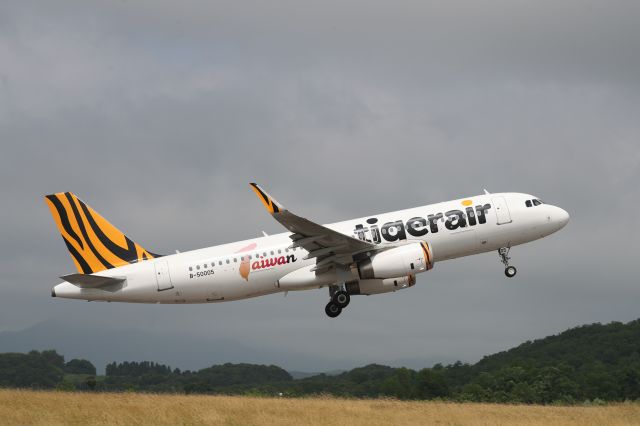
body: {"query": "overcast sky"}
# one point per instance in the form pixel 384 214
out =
pixel 159 113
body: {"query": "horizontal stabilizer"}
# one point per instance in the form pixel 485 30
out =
pixel 91 281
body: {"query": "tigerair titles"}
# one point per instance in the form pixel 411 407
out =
pixel 419 226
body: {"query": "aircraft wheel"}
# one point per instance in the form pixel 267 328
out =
pixel 341 298
pixel 510 271
pixel 332 309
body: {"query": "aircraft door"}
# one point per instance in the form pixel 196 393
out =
pixel 502 210
pixel 162 275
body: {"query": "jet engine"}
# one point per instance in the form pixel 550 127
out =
pixel 400 261
pixel 368 287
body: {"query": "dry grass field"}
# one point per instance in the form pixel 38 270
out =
pixel 59 408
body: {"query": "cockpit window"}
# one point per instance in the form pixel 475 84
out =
pixel 537 202
pixel 528 203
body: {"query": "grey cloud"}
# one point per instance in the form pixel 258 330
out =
pixel 158 114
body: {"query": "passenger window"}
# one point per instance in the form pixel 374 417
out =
pixel 536 202
pixel 271 252
pixel 190 268
pixel 279 251
pixel 205 266
pixel 198 267
pixel 528 203
pixel 235 259
pixel 220 262
pixel 227 261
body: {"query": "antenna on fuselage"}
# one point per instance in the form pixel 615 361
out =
pixel 486 192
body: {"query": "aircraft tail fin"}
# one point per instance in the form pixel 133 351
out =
pixel 93 242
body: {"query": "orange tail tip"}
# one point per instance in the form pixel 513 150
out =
pixel 93 242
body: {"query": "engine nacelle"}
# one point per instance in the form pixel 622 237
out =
pixel 305 278
pixel 368 287
pixel 397 262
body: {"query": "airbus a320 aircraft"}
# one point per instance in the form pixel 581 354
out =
pixel 376 254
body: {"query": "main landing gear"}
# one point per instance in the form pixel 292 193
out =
pixel 339 300
pixel 509 271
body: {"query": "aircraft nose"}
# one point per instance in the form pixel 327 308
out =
pixel 561 217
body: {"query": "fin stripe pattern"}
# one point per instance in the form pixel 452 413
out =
pixel 64 218
pixel 95 249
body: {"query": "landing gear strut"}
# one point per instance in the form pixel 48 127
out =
pixel 509 271
pixel 339 300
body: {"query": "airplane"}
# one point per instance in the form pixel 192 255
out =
pixel 376 254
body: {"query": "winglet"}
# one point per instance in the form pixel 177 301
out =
pixel 269 202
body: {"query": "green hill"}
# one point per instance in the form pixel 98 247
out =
pixel 591 362
pixel 587 362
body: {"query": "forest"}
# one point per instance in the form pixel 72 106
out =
pixel 589 363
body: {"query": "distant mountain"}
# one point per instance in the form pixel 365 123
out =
pixel 591 361
pixel 610 344
pixel 303 375
pixel 587 363
pixel 102 345
pixel 416 363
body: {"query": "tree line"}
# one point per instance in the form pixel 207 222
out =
pixel 590 363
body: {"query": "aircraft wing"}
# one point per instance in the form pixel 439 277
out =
pixel 329 247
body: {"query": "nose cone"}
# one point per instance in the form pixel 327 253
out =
pixel 560 217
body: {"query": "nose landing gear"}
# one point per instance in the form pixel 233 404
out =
pixel 503 253
pixel 339 300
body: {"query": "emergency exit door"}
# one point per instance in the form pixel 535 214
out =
pixel 162 275
pixel 502 210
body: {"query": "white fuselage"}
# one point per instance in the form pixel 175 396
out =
pixel 219 273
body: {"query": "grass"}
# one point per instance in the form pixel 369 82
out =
pixel 18 407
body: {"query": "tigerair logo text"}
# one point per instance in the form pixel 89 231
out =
pixel 419 226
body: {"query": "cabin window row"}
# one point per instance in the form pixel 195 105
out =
pixel 235 259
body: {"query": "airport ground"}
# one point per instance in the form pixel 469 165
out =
pixel 23 407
